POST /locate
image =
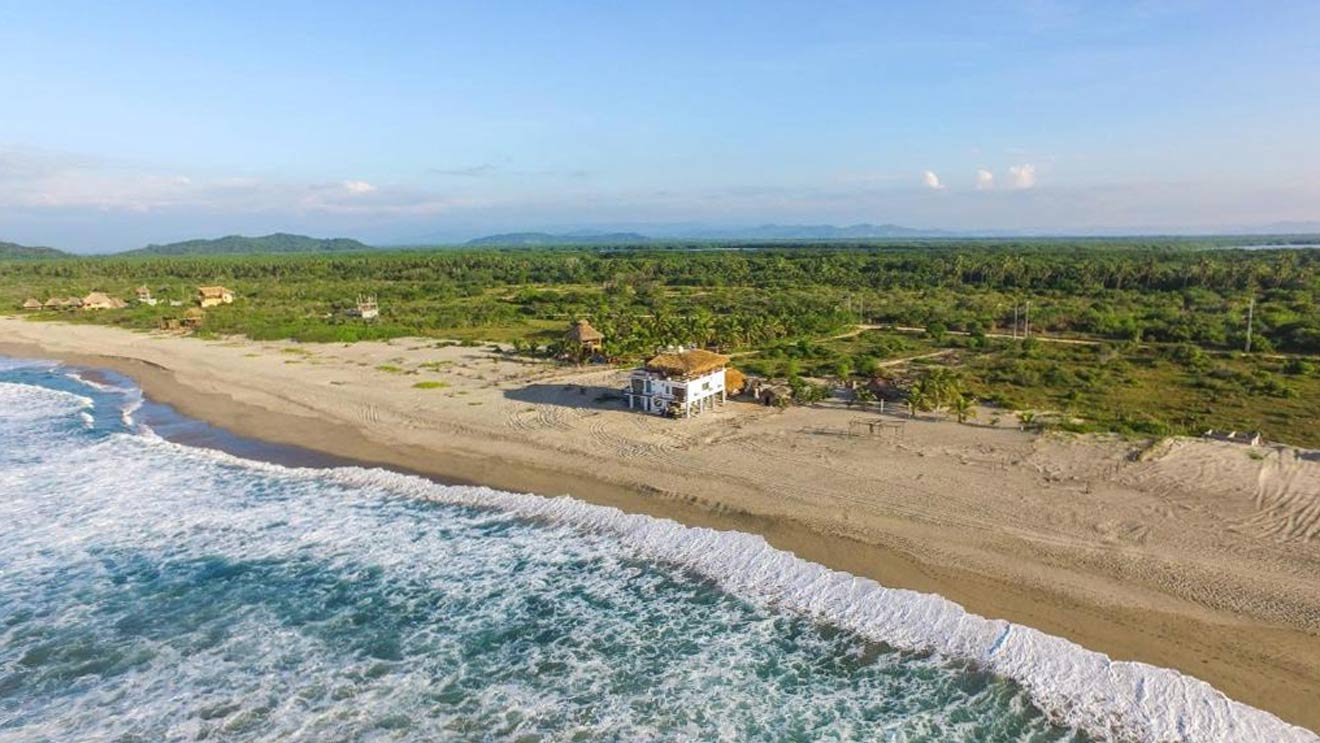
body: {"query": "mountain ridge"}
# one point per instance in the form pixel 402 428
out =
pixel 583 237
pixel 274 243
pixel 28 252
pixel 767 232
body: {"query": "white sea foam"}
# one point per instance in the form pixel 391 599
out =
pixel 130 407
pixel 132 395
pixel 26 402
pixel 81 379
pixel 9 363
pixel 1114 700
pixel 1118 700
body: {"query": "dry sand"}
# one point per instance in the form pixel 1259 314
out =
pixel 1197 555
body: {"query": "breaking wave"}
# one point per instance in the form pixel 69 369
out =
pixel 164 591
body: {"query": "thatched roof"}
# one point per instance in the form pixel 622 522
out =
pixel 194 313
pixel 32 304
pixel 54 302
pixel 213 291
pixel 73 302
pixel 101 299
pixel 687 363
pixel 734 380
pixel 582 332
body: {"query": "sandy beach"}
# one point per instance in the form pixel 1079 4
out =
pixel 1196 555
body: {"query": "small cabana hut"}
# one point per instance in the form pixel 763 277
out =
pixel 32 304
pixel 193 318
pixel 144 296
pixel 584 337
pixel 54 303
pixel 102 301
pixel 210 296
pixel 678 383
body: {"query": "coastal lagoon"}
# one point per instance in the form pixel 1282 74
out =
pixel 157 591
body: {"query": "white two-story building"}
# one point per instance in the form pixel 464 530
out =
pixel 678 383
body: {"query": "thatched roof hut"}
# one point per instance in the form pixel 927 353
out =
pixel 102 301
pixel 583 333
pixel 691 363
pixel 210 296
pixel 32 304
pixel 193 317
pixel 54 303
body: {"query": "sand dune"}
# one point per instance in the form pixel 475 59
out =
pixel 1197 555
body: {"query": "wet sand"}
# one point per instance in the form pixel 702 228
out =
pixel 1198 558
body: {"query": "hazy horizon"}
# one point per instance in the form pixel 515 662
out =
pixel 141 123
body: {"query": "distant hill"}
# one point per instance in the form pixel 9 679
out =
pixel 862 231
pixel 765 232
pixel 237 244
pixel 568 238
pixel 14 250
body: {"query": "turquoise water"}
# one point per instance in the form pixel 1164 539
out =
pixel 157 592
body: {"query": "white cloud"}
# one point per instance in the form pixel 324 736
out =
pixel 33 179
pixel 985 180
pixel 931 180
pixel 1024 176
pixel 358 187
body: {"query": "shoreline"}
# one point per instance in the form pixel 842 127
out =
pixel 1268 664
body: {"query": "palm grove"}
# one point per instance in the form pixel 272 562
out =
pixel 1167 322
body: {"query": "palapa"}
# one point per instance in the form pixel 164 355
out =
pixel 210 296
pixel 194 317
pixel 687 363
pixel 102 301
pixel 582 332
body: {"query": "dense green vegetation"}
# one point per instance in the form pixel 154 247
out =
pixel 1168 321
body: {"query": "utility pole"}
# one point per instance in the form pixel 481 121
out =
pixel 1251 316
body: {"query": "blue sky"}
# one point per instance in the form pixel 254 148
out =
pixel 126 123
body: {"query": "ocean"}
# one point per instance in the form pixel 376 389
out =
pixel 157 591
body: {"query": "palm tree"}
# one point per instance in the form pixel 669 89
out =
pixel 917 398
pixel 1026 418
pixel 964 407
